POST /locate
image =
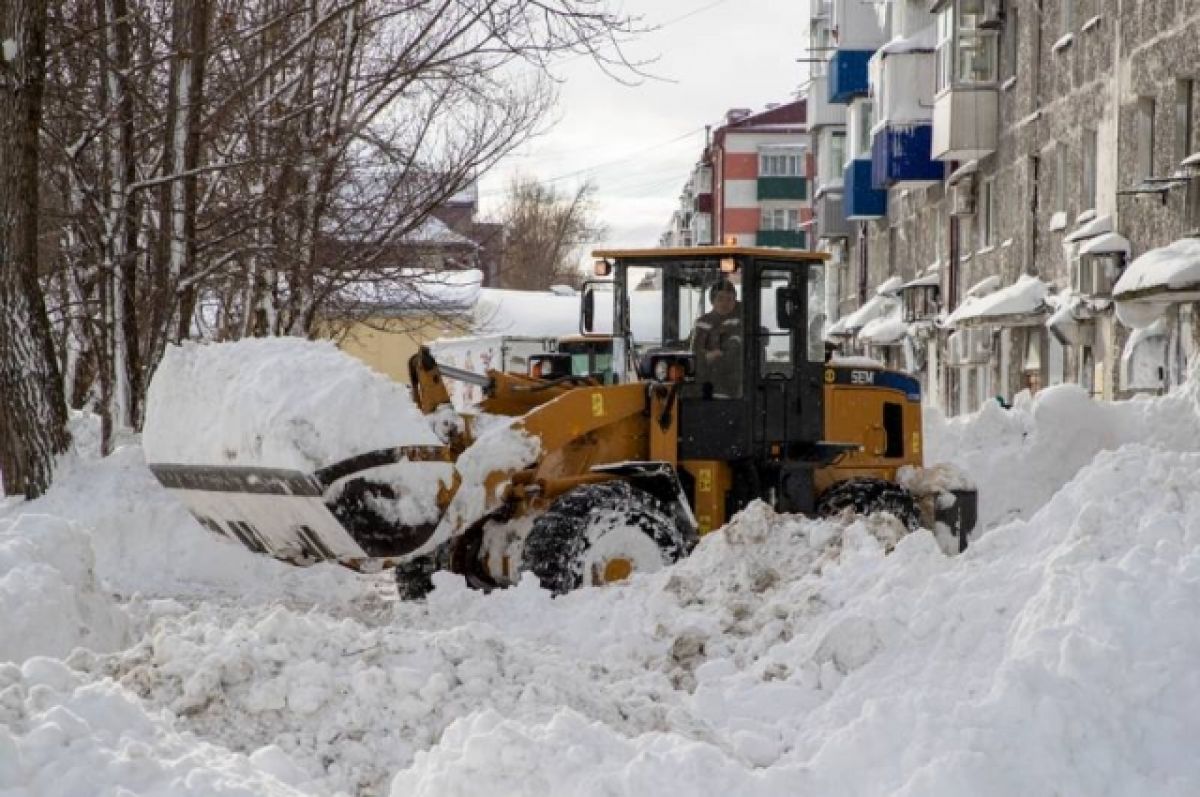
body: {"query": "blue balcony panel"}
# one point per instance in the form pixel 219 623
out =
pixel 848 75
pixel 860 199
pixel 902 154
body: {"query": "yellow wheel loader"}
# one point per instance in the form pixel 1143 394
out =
pixel 582 482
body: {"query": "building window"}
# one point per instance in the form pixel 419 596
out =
pixel 987 215
pixel 1090 157
pixel 1060 176
pixel 1145 137
pixel 967 52
pixel 1012 39
pixel 786 219
pixel 864 119
pixel 945 48
pixel 781 164
pixel 837 151
pixel 1183 118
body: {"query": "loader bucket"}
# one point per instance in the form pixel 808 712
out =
pixel 346 512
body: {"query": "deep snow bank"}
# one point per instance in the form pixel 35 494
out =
pixel 1056 656
pixel 62 736
pixel 274 402
pixel 49 599
pixel 1021 457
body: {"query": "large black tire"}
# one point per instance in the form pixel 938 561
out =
pixel 571 544
pixel 868 496
pixel 414 578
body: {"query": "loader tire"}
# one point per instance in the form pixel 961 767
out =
pixel 599 533
pixel 868 496
pixel 414 578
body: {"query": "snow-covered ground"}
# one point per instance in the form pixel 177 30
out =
pixel 785 657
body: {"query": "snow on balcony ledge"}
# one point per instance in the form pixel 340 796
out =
pixel 1092 23
pixel 1090 228
pixel 1174 267
pixel 1107 244
pixel 1063 43
pixel 1008 84
pixel 1024 298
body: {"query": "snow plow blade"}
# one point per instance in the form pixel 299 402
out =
pixel 302 518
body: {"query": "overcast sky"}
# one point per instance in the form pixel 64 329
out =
pixel 638 143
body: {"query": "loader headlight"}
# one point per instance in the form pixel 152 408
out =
pixel 669 366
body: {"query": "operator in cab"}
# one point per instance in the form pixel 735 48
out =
pixel 717 344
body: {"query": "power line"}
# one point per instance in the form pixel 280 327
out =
pixel 615 161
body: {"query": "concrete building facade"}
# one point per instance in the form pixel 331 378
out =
pixel 1023 154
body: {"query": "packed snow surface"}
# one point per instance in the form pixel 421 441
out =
pixel 785 656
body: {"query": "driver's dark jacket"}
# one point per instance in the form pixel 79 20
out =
pixel 715 332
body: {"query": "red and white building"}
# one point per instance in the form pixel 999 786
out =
pixel 752 183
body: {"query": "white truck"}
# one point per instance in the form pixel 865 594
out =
pixel 509 353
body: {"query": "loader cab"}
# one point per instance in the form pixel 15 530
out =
pixel 749 372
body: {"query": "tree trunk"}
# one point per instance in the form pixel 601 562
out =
pixel 33 416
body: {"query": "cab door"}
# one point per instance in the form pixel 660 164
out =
pixel 787 366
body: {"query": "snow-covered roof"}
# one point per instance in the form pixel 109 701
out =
pixel 856 361
pixel 1021 301
pixel 889 286
pixel 1089 227
pixel 923 281
pixel 1106 243
pixel 433 231
pixel 875 307
pixel 1064 322
pixel 970 167
pixel 548 314
pixel 419 290
pixel 887 330
pixel 1174 268
pixel 1156 280
pixel 921 41
pixel 984 286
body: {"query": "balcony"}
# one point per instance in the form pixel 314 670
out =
pixel 861 199
pixel 782 188
pixel 900 155
pixel 848 75
pixel 820 111
pixel 785 239
pixel 965 123
pixel 830 216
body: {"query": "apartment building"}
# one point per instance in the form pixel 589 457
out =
pixel 1007 162
pixel 751 184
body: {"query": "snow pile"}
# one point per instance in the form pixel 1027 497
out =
pixel 274 402
pixel 1021 457
pixel 62 736
pixel 49 600
pixel 785 656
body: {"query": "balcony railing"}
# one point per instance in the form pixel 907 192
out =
pixel 782 188
pixel 862 200
pixel 900 154
pixel 848 75
pixel 786 239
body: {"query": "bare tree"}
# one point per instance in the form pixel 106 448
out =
pixel 249 165
pixel 545 231
pixel 32 411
